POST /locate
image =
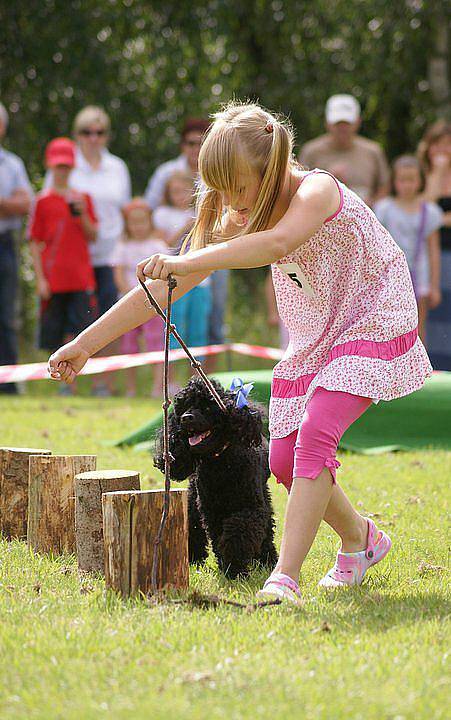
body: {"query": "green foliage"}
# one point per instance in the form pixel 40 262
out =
pixel 152 64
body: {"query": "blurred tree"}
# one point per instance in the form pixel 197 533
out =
pixel 152 64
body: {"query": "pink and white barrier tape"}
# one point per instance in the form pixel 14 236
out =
pixel 38 371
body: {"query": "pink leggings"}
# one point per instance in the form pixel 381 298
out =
pixel 305 452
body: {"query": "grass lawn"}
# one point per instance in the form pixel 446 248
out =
pixel 71 651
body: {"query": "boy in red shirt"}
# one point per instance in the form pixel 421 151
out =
pixel 62 223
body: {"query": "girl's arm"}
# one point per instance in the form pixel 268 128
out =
pixel 317 199
pixel 129 312
pixel 434 269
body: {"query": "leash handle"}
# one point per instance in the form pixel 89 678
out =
pixel 195 364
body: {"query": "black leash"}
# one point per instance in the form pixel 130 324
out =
pixel 195 364
pixel 196 599
pixel 169 328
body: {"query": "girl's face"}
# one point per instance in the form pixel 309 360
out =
pixel 440 151
pixel 407 182
pixel 243 205
pixel 139 223
pixel 180 193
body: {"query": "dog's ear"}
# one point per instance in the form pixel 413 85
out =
pixel 247 424
pixel 182 463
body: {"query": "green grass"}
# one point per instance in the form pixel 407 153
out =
pixel 71 651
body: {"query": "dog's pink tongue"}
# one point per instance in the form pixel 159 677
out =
pixel 196 439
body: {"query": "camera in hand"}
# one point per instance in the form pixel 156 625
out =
pixel 74 208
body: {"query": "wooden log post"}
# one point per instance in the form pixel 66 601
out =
pixel 130 525
pixel 14 490
pixel 51 501
pixel 89 487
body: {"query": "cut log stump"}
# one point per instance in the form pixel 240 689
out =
pixel 89 487
pixel 130 525
pixel 14 490
pixel 51 501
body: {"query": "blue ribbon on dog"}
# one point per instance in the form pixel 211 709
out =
pixel 242 391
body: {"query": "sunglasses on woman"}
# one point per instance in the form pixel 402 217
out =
pixel 87 133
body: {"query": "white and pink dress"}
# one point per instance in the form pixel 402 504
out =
pixel 347 300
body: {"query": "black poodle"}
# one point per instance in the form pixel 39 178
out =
pixel 225 456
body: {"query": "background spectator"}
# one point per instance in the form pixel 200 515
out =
pixel 358 162
pixel 15 196
pixel 61 225
pixel 414 225
pixel 139 241
pixel 434 153
pixel 191 139
pixel 175 217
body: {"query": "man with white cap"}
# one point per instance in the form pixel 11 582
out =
pixel 358 162
pixel 15 198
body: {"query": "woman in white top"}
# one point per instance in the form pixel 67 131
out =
pixel 106 178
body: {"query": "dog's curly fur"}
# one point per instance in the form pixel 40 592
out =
pixel 229 504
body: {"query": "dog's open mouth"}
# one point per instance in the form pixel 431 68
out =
pixel 196 439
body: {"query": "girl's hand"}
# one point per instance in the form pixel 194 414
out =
pixel 67 362
pixel 159 267
pixel 434 298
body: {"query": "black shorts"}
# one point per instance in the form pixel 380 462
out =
pixel 64 315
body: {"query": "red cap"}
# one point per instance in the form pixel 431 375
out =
pixel 60 151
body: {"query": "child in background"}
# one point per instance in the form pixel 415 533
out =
pixel 414 224
pixel 61 225
pixel 140 239
pixel 175 219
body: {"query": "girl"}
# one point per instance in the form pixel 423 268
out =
pixel 175 219
pixel 414 225
pixel 344 292
pixel 140 239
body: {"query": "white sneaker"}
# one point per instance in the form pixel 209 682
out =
pixel 282 587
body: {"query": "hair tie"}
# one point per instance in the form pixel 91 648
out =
pixel 269 127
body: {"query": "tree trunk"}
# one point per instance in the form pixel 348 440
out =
pixel 130 526
pixel 51 504
pixel 89 487
pixel 14 464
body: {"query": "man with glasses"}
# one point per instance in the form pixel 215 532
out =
pixel 15 196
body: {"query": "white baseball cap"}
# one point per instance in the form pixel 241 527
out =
pixel 342 108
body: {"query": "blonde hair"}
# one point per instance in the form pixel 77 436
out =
pixel 434 133
pixel 176 175
pixel 243 138
pixel 89 115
